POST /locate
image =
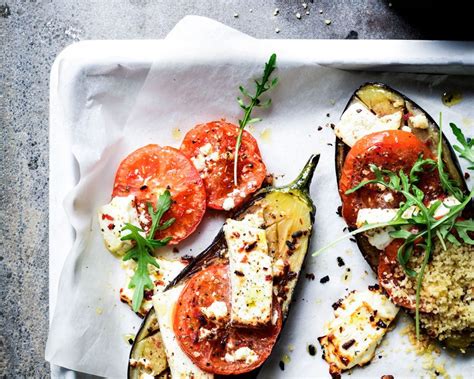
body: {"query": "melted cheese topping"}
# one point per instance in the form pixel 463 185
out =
pixel 112 218
pixel 361 320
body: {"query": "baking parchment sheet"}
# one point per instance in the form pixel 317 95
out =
pixel 195 79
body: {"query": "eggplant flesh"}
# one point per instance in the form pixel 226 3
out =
pixel 289 215
pixel 147 356
pixel 382 100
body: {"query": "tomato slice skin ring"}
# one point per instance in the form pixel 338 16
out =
pixel 393 150
pixel 209 285
pixel 149 171
pixel 212 147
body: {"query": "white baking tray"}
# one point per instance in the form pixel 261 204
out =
pixel 85 64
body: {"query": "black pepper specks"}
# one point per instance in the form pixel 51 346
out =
pixel 339 211
pixel 375 287
pixel 281 364
pixel 310 276
pixel 324 279
pixel 381 324
pixel 340 262
pixel 348 344
pixel 312 350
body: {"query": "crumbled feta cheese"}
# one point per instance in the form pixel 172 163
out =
pixel 388 197
pixel 418 121
pixel 216 311
pixel 228 204
pixel 112 219
pixel 205 333
pixel 245 354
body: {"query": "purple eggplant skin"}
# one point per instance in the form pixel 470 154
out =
pixel 431 137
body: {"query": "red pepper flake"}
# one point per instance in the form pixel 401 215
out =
pixel 111 226
pixel 107 217
pixel 245 259
pixel 268 278
pixel 148 294
pixel 406 116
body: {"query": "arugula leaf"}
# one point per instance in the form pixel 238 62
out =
pixel 466 150
pixel 262 86
pixel 142 252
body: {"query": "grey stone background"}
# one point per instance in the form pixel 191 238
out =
pixel 33 32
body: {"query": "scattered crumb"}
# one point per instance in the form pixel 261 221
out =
pixel 236 15
pixel 298 15
pixel 277 30
pixel 276 12
pixel 327 22
pixel 99 311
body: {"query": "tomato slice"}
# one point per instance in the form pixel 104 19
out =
pixel 148 172
pixel 211 148
pixel 392 150
pixel 209 353
pixel 393 279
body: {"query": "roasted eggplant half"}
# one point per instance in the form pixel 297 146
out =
pixel 375 107
pixel 286 215
pixel 148 356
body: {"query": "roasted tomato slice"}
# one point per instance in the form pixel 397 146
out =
pixel 400 288
pixel 212 344
pixel 211 148
pixel 148 172
pixel 392 150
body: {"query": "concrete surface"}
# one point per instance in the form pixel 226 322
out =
pixel 33 32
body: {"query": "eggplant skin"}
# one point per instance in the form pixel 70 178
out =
pixel 431 136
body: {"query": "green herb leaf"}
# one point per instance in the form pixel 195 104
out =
pixel 142 252
pixel 466 150
pixel 261 87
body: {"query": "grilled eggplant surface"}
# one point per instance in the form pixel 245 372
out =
pixel 288 214
pixel 381 100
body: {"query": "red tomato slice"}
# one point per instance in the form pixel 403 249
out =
pixel 211 148
pixel 148 172
pixel 392 277
pixel 207 286
pixel 392 150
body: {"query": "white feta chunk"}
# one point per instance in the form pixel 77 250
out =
pixel 245 354
pixel 216 311
pixel 160 277
pixel 360 322
pixel 358 121
pixel 112 218
pixel 375 216
pixel 181 366
pixel 418 121
pixel 250 268
pixel 228 204
pixel 445 206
